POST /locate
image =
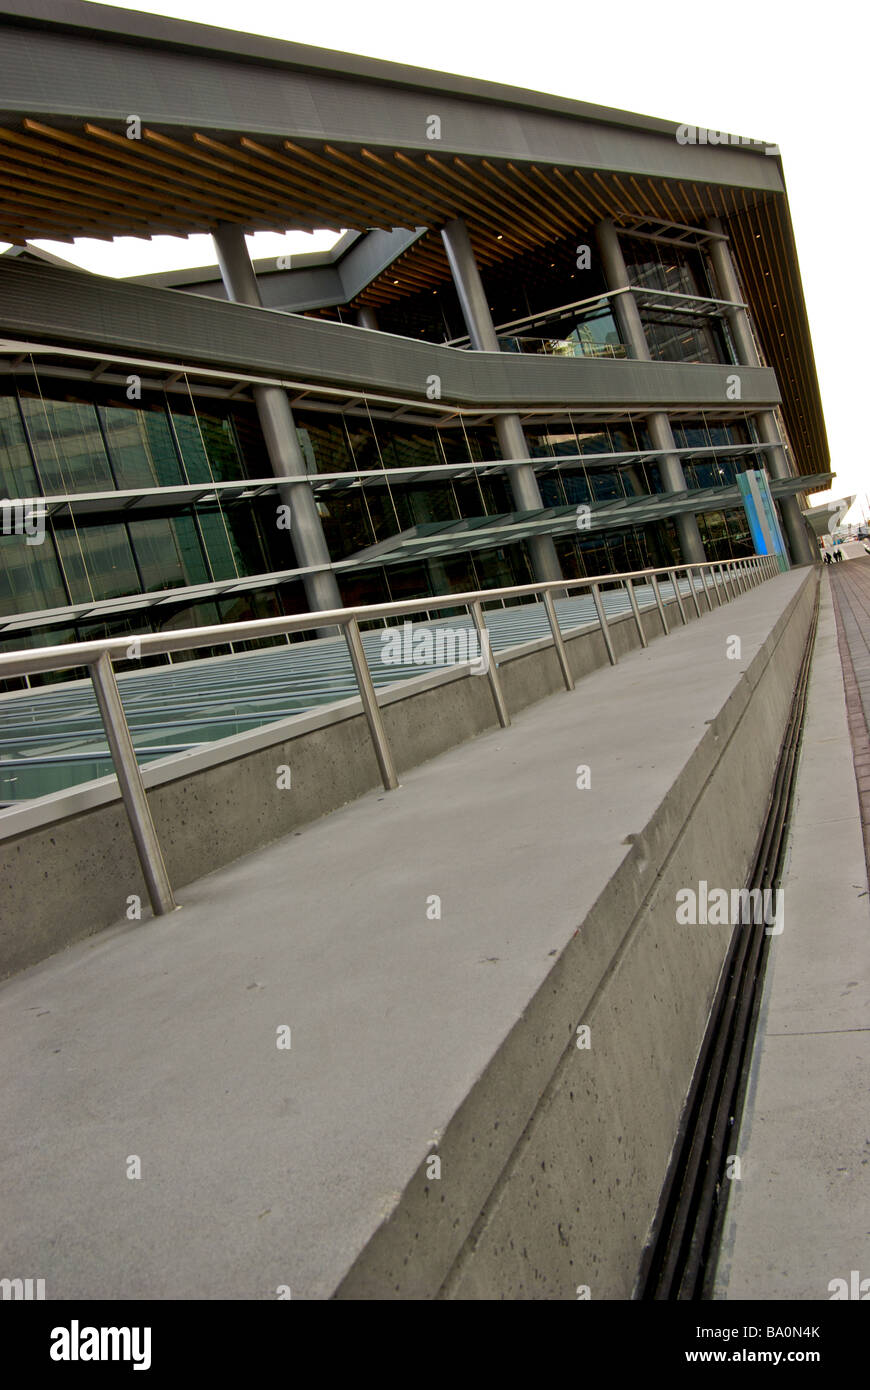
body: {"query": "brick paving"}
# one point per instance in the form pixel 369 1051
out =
pixel 850 586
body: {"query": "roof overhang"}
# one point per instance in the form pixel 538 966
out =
pixel 271 136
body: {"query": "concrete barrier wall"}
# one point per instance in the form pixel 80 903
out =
pixel 68 863
pixel 539 1146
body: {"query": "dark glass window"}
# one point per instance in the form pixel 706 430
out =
pixel 168 552
pixel 30 576
pixel 208 447
pixel 324 443
pixel 658 265
pixel 17 475
pixel 141 447
pixel 68 445
pixel 97 561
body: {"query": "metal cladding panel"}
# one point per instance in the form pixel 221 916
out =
pixel 307 286
pixel 55 74
pixel 371 254
pixel 300 289
pixel 69 307
pixel 136 26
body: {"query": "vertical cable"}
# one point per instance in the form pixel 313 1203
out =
pixel 383 465
pixel 362 481
pixel 472 462
pixel 213 479
pixel 67 487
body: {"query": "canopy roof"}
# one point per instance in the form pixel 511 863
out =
pixel 271 135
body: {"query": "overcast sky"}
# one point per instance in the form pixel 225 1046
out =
pixel 779 70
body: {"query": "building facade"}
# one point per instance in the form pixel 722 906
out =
pixel 548 340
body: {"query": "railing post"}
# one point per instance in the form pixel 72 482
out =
pixel 706 587
pixel 603 623
pixel 492 675
pixel 690 575
pixel 717 590
pixel 558 643
pixel 131 785
pixel 728 576
pixel 672 575
pixel 628 586
pixel 370 704
pixel 661 607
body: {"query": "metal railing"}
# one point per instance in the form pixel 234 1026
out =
pixel 729 576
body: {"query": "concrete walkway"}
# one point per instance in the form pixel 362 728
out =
pixel 800 1215
pixel 850 587
pixel 159 1141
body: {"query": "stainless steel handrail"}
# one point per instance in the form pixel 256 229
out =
pixel 98 658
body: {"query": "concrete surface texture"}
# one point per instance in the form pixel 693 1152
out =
pixel 799 1217
pixel 284 1055
pixel 850 590
pixel 213 804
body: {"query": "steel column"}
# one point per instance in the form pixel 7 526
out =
pixel 512 440
pixel 659 425
pixel 279 433
pixel 747 354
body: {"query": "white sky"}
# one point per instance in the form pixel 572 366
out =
pixel 779 70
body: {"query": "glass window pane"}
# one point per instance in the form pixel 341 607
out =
pixel 165 561
pixel 68 445
pixel 17 474
pixel 208 447
pixel 98 562
pixel 141 447
pixel 30 576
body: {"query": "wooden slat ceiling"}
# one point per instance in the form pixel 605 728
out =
pixel 772 286
pixel 89 180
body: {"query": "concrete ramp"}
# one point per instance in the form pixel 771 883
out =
pixel 433 1128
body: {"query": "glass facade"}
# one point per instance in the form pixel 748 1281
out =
pixel 660 265
pixel 64 444
pixel 676 333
